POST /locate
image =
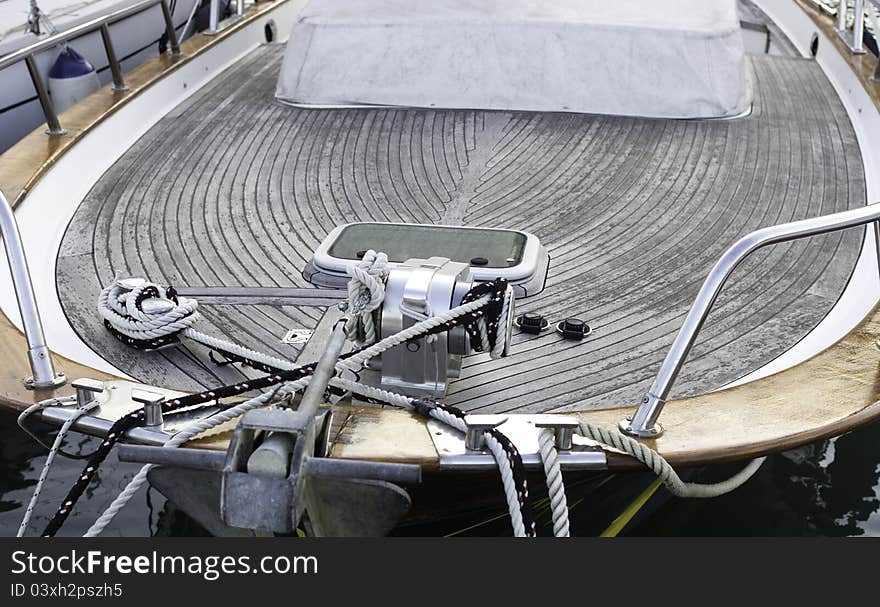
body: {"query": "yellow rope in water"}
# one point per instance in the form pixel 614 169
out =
pixel 627 515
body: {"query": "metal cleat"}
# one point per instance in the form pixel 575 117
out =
pixel 152 403
pixel 563 427
pixel 86 389
pixel 476 426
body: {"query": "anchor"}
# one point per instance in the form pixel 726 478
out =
pixel 268 485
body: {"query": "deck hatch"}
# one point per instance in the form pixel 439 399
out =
pixel 491 252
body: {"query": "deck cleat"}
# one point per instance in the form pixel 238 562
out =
pixel 86 390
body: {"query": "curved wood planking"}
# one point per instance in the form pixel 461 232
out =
pixel 634 212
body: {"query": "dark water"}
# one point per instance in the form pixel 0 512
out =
pixel 829 488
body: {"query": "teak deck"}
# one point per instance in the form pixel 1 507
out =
pixel 633 212
pixel 470 172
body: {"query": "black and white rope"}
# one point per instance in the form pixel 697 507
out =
pixel 53 450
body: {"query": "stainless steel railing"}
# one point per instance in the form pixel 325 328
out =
pixel 101 24
pixel 214 15
pixel 39 356
pixel 854 37
pixel 644 422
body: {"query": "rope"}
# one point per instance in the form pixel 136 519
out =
pixel 516 497
pixel 555 485
pixel 124 315
pixel 53 450
pixel 664 469
pixel 26 414
pixel 191 431
pixel 366 292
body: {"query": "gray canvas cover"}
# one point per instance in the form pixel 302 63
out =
pixel 659 58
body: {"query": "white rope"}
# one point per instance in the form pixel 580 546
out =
pixel 53 450
pixel 459 424
pixel 664 469
pixel 366 292
pixel 117 305
pixel 222 417
pixel 504 467
pixel 555 485
pixel 409 333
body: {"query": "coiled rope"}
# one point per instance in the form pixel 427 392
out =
pixel 125 317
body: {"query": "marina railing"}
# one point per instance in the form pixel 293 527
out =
pixel 103 24
pixel 39 356
pixel 644 422
pixel 854 36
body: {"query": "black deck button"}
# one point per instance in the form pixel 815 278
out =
pixel 573 328
pixel 479 261
pixel 531 323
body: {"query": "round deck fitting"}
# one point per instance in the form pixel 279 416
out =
pixel 573 328
pixel 529 322
pixel 625 426
pixel 56 382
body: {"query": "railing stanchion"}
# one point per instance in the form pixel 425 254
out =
pixel 46 103
pixel 858 26
pixel 213 17
pixel 115 70
pixel 169 28
pixel 39 356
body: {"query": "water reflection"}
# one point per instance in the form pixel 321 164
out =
pixel 830 488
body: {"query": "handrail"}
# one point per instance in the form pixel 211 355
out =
pixel 644 422
pixel 27 53
pixel 44 375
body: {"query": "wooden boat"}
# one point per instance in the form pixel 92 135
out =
pixel 197 177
